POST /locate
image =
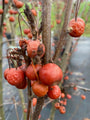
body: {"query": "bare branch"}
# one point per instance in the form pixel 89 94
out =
pixel 31 21
pixel 63 34
pixel 79 87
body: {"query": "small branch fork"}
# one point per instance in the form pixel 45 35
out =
pixel 79 87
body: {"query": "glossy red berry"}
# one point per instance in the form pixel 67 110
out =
pixel 50 73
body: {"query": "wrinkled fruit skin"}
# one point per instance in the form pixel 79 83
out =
pixel 50 73
pixel 54 92
pixel 30 73
pixel 35 48
pixel 39 89
pixel 15 76
pixel 32 47
pixel 77 27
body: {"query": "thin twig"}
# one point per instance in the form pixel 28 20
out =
pixel 79 87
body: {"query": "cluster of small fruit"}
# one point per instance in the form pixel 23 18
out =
pixel 44 78
pixel 62 103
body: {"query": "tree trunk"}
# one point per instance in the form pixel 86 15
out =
pixel 46 38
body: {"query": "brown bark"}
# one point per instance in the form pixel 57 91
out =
pixel 66 54
pixel 63 34
pixel 46 26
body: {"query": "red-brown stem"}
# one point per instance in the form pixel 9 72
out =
pixel 63 34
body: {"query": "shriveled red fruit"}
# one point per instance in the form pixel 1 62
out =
pixel 83 97
pixel 15 76
pixel 57 105
pixel 62 110
pixel 11 19
pixel 1 11
pixel 41 50
pixel 32 47
pixel 5 73
pixel 32 71
pixel 69 96
pixel 34 101
pixel 19 4
pixel 39 89
pixel 76 27
pixel 35 48
pixel 54 92
pixel 34 12
pixel 6 1
pixel 30 35
pixel 26 31
pixel 50 73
